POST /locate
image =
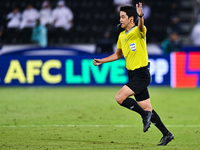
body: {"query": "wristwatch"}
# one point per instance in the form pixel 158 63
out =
pixel 141 15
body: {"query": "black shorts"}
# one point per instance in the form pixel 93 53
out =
pixel 139 79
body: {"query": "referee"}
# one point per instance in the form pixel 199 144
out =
pixel 132 44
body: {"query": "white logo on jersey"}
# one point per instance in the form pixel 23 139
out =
pixel 132 46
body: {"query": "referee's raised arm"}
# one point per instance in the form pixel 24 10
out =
pixel 141 19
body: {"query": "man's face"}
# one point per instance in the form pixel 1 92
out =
pixel 29 6
pixel 15 11
pixel 174 37
pixel 124 20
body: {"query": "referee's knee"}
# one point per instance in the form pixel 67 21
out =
pixel 119 99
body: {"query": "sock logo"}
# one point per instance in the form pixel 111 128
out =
pixel 132 107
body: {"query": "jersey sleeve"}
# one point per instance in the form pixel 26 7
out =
pixel 143 35
pixel 119 45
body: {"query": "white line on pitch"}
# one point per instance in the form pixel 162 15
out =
pixel 122 126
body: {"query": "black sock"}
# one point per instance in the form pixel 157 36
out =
pixel 155 119
pixel 133 105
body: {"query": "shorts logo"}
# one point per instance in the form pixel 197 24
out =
pixel 132 46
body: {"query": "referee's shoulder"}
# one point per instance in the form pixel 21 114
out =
pixel 122 32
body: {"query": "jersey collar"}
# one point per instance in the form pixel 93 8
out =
pixel 130 30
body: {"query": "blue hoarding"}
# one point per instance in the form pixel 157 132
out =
pixel 74 70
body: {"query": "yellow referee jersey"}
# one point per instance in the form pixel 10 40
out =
pixel 133 45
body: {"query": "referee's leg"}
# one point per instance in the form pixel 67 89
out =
pixel 146 104
pixel 155 119
pixel 123 99
pixel 123 93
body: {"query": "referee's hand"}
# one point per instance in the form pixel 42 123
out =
pixel 97 62
pixel 139 9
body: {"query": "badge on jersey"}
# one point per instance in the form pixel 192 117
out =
pixel 132 46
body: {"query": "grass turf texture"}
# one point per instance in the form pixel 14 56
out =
pixel 45 118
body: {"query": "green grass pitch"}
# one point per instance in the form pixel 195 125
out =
pixel 88 118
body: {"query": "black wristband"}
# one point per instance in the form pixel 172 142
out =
pixel 141 15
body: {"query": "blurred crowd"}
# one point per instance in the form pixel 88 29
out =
pixel 61 16
pixel 195 33
pixel 47 18
pixel 174 30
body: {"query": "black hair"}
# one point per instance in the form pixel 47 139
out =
pixel 130 11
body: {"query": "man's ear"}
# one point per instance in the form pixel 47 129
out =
pixel 131 19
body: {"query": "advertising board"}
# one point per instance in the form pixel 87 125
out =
pixel 74 70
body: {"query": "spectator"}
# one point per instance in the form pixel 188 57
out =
pixel 29 17
pixel 175 25
pixel 174 18
pixel 46 14
pixel 14 18
pixel 39 34
pixel 174 9
pixel 62 16
pixel 171 44
pixel 1 33
pixel 195 35
pixel 119 3
pixel 104 45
